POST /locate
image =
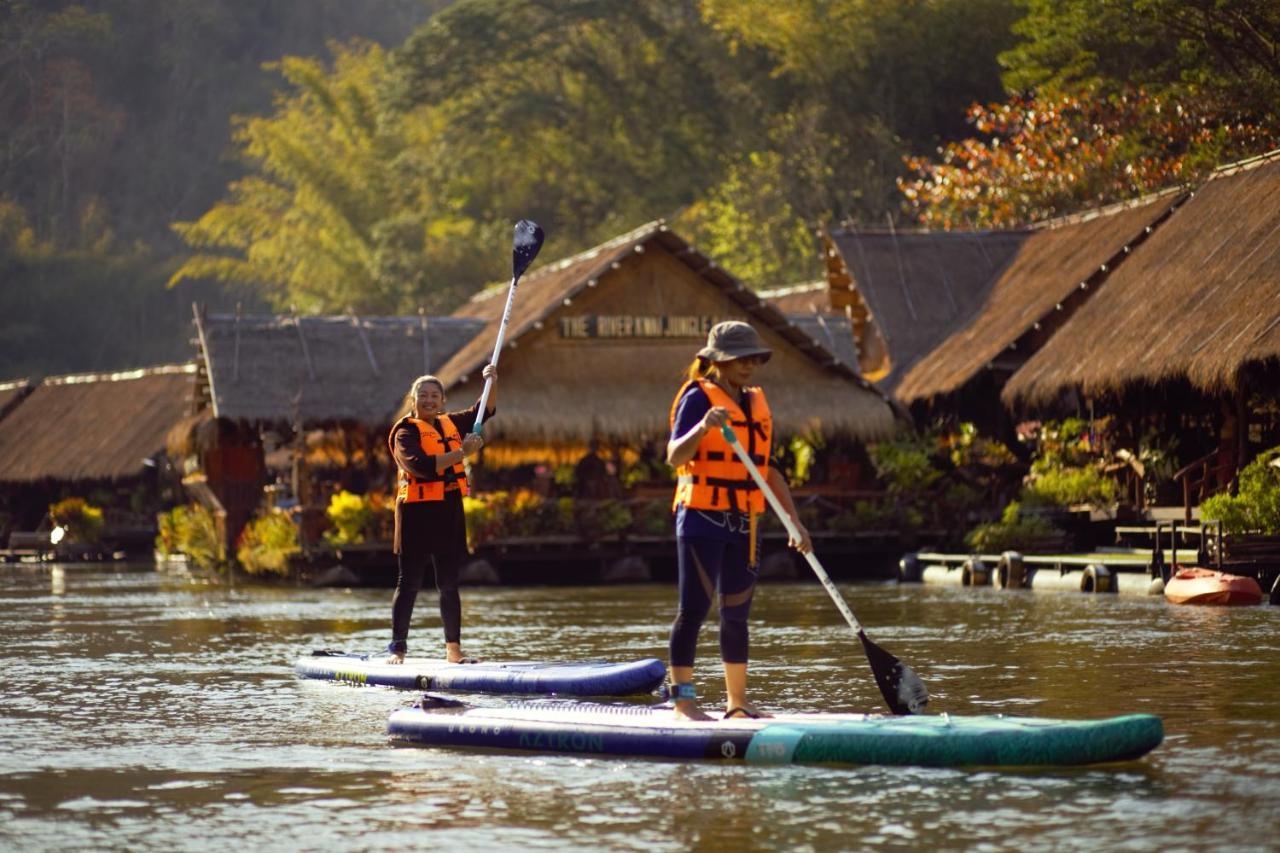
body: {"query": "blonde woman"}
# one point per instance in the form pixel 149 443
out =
pixel 429 446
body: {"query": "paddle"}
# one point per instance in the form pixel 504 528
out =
pixel 524 248
pixel 902 688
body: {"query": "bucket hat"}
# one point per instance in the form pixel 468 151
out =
pixel 733 339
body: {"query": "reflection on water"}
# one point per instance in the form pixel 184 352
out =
pixel 157 710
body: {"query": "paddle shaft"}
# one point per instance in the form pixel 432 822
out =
pixel 497 350
pixel 792 531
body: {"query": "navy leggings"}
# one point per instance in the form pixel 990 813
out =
pixel 706 565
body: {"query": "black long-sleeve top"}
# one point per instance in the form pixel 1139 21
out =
pixel 431 517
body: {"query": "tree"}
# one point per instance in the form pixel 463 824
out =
pixel 1224 52
pixel 1040 157
pixel 337 212
pixel 587 115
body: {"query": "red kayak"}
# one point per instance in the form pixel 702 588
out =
pixel 1206 586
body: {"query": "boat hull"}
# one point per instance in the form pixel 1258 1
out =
pixel 1206 586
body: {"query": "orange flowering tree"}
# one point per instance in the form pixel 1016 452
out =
pixel 1037 157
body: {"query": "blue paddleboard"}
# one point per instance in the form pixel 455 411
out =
pixel 566 678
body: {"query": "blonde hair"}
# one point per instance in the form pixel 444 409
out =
pixel 702 368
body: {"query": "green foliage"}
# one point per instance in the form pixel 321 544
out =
pixel 354 519
pixel 1013 532
pixel 81 520
pixel 1255 508
pixel 1068 486
pixel 1214 50
pixel 193 531
pixel 340 211
pixel 1067 469
pixel 267 543
pixel 498 515
pixel 905 464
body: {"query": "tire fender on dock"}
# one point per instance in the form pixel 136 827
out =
pixel 974 572
pixel 1097 578
pixel 1010 572
pixel 910 570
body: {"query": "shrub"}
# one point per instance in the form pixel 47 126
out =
pixel 82 521
pixel 1014 531
pixel 1070 486
pixel 353 518
pixel 905 464
pixel 267 543
pixel 191 530
pixel 1255 508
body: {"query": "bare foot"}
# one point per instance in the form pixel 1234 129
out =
pixel 686 709
pixel 461 658
pixel 395 658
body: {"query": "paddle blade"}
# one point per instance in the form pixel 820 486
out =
pixel 902 688
pixel 524 248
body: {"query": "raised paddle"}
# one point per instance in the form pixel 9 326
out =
pixel 524 248
pixel 902 688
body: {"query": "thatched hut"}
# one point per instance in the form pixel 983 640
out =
pixel 316 371
pixel 299 384
pixel 92 434
pixel 1053 271
pixel 1200 300
pixel 905 290
pixel 1189 325
pixel 598 342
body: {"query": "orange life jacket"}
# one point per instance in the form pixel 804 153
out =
pixel 714 478
pixel 454 478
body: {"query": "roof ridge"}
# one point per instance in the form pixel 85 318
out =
pixel 634 235
pixel 121 375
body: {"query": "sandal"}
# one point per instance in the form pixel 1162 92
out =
pixel 744 711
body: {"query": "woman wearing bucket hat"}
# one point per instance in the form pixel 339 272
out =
pixel 716 505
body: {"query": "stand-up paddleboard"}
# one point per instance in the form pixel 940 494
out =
pixel 929 741
pixel 567 678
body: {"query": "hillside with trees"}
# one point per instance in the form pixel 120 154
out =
pixel 378 158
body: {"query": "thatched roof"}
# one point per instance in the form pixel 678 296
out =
pixel 1049 276
pixel 808 307
pixel 558 390
pixel 11 394
pixel 93 426
pixel 808 298
pixel 319 370
pixel 1198 300
pixel 915 285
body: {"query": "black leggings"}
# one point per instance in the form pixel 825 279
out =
pixel 705 565
pixel 413 567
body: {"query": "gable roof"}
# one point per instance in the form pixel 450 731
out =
pixel 1050 275
pixel 808 307
pixel 316 370
pixel 830 393
pixel 808 298
pixel 1199 299
pixel 916 284
pixel 94 426
pixel 545 291
pixel 11 394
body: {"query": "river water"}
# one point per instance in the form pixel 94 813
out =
pixel 150 710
